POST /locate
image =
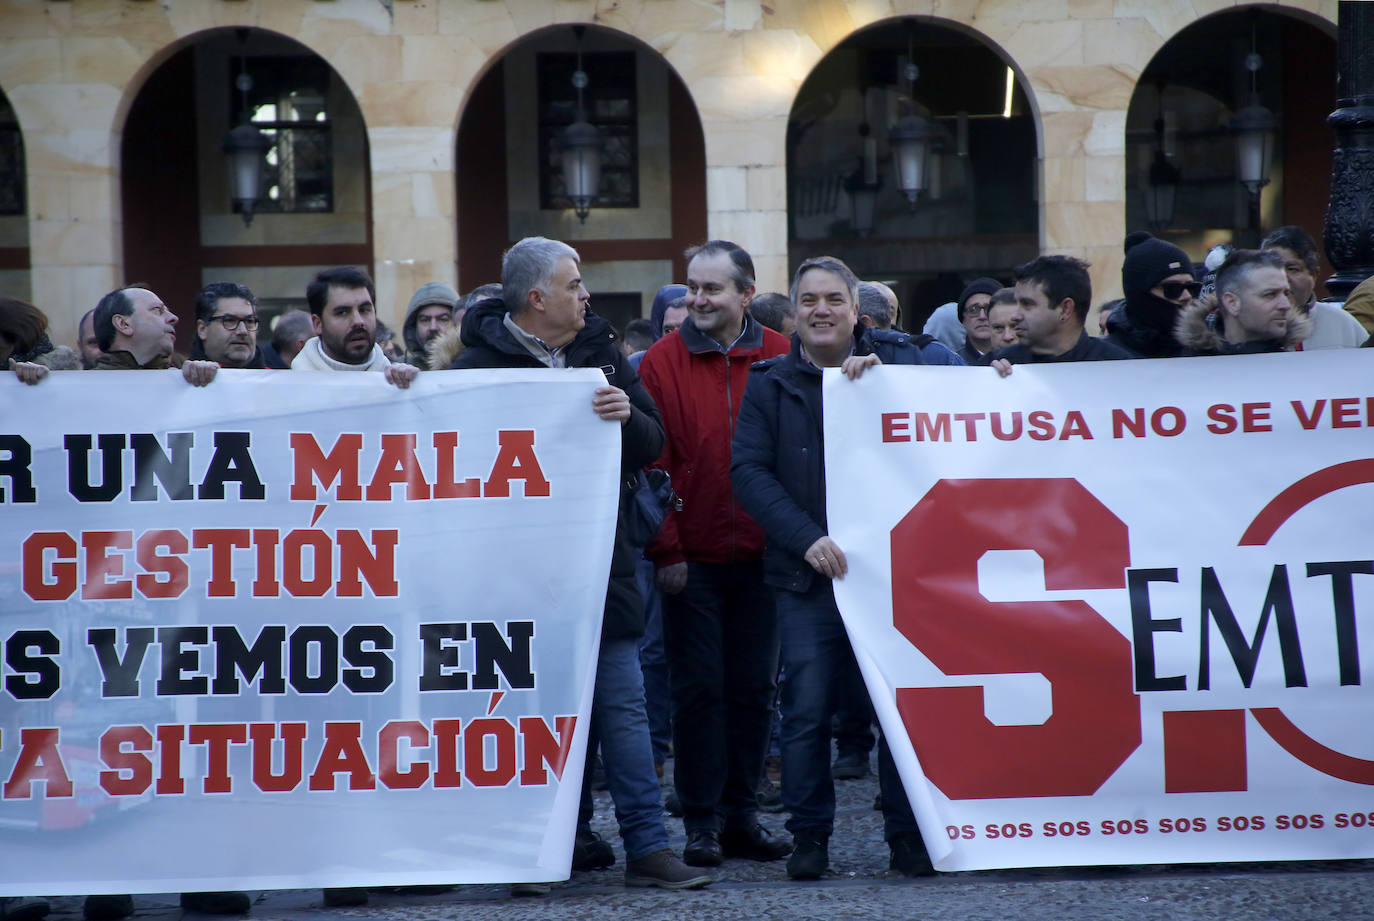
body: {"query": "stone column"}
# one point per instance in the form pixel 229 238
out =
pixel 1349 228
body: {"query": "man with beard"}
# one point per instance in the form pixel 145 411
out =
pixel 227 326
pixel 1157 278
pixel 428 317
pixel 1251 311
pixel 345 323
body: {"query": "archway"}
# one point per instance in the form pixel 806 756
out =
pixel 14 221
pixel 977 214
pixel 1182 174
pixel 652 201
pixel 181 228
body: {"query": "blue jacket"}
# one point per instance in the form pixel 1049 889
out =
pixel 777 462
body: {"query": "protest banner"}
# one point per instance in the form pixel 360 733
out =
pixel 297 629
pixel 1116 612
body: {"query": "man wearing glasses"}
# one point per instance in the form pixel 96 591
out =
pixel 1157 279
pixel 973 314
pixel 227 326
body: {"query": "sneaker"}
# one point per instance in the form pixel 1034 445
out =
pixel 754 842
pixel 217 903
pixel 24 908
pixel 345 898
pixel 850 765
pixel 528 890
pixel 810 856
pixel 107 907
pixel 664 870
pixel 909 856
pixel 769 796
pixel 590 852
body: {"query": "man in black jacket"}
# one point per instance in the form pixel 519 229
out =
pixel 542 320
pixel 778 471
pixel 1053 296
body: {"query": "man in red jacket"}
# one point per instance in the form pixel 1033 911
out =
pixel 720 626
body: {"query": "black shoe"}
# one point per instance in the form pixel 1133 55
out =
pixel 672 805
pixel 769 796
pixel 107 907
pixel 909 856
pixel 703 849
pixel 217 903
pixel 590 852
pixel 850 765
pixel 345 898
pixel 810 858
pixel 23 908
pixel 753 843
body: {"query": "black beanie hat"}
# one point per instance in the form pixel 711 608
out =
pixel 977 286
pixel 1149 262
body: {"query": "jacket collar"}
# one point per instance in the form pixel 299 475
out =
pixel 697 342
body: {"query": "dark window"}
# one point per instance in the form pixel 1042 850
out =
pixel 610 104
pixel 11 161
pixel 287 104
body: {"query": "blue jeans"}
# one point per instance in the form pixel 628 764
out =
pixel 620 727
pixel 653 659
pixel 722 638
pixel 816 656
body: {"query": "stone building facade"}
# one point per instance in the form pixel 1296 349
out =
pixel 72 71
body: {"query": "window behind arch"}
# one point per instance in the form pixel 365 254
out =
pixel 610 103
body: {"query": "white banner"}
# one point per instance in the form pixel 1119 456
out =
pixel 297 629
pixel 1123 611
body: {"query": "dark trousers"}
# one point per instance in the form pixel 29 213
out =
pixel 815 657
pixel 721 633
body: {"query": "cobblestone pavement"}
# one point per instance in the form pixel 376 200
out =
pixel 859 886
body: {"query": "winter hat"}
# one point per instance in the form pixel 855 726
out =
pixel 435 292
pixel 977 286
pixel 1149 262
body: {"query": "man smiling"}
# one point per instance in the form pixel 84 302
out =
pixel 778 471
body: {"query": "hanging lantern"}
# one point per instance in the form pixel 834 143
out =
pixel 245 146
pixel 1254 127
pixel 911 140
pixel 581 145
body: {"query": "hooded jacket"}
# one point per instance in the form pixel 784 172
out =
pixel 698 387
pixel 1200 332
pixel 778 466
pixel 436 293
pixel 486 343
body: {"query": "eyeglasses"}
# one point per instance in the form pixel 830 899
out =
pixel 1173 290
pixel 231 323
pixel 975 310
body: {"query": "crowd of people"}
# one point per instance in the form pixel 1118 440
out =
pixel 727 619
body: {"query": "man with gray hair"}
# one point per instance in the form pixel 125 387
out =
pixel 289 335
pixel 542 321
pixel 877 305
pixel 775 311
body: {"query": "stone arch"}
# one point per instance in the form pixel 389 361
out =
pixel 179 228
pixel 1179 117
pixel 14 205
pixel 653 204
pixel 980 215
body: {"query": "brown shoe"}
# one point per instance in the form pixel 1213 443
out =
pixel 664 870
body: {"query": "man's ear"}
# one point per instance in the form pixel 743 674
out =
pixel 123 323
pixel 316 323
pixel 1230 302
pixel 535 298
pixel 865 319
pixel 1066 309
pixel 749 295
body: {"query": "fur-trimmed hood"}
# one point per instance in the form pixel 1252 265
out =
pixel 1199 330
pixel 447 346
